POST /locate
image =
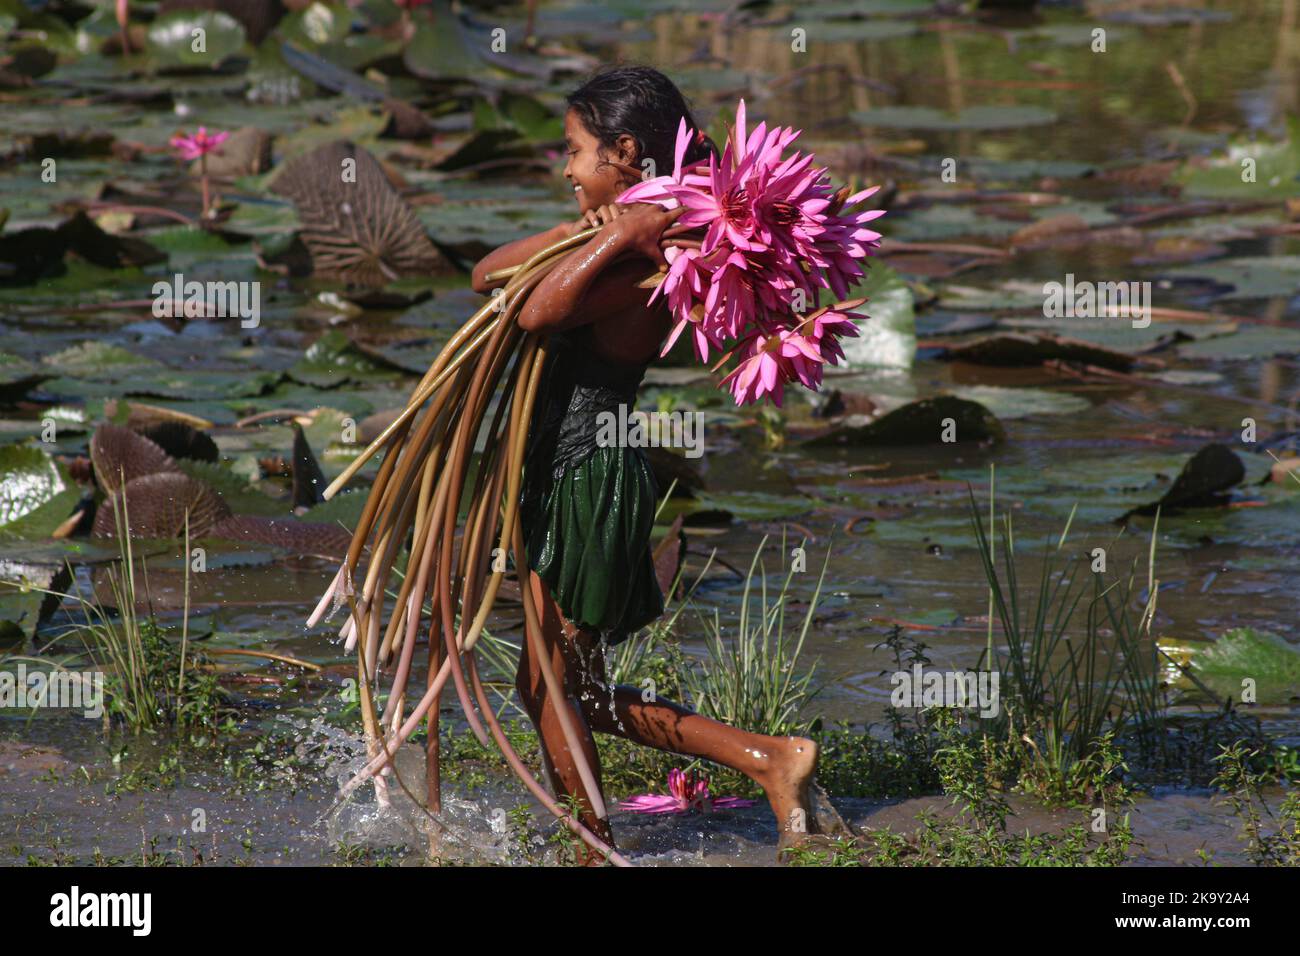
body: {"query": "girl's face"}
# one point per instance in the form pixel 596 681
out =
pixel 594 185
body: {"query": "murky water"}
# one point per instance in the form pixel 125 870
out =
pixel 897 521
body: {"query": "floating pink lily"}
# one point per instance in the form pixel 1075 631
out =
pixel 686 792
pixel 776 238
pixel 197 147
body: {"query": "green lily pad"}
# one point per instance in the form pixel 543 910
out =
pixel 888 338
pixel 1120 335
pixel 172 38
pixel 1023 402
pixel 520 112
pixel 36 494
pixel 22 601
pixel 1255 342
pixel 240 496
pixel 1251 277
pixel 17 375
pixel 100 361
pixel 1009 294
pixel 332 360
pixel 1245 653
pixel 1276 172
pixel 441 48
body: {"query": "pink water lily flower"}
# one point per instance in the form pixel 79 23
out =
pixel 200 144
pixel 777 237
pixel 763 371
pixel 197 147
pixel 686 792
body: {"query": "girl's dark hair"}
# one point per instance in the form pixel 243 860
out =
pixel 646 105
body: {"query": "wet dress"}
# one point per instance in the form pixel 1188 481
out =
pixel 586 510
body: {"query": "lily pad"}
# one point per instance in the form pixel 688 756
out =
pixel 1255 342
pixel 1247 170
pixel 172 38
pixel 441 48
pixel 333 359
pixel 36 494
pixel 1245 653
pixel 1018 348
pixel 1023 402
pixel 888 338
pixel 1250 277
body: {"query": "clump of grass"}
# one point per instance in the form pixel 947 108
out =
pixel 151 682
pixel 1069 684
pixel 970 768
pixel 752 681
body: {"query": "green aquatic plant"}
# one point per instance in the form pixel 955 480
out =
pixel 971 770
pixel 1244 789
pixel 150 682
pixel 1069 683
pixel 751 681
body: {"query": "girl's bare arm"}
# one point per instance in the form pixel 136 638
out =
pixel 598 280
pixel 516 253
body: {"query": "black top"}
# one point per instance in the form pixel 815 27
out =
pixel 576 386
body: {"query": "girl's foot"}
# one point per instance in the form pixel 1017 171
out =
pixel 787 787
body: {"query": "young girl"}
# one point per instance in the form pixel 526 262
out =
pixel 587 511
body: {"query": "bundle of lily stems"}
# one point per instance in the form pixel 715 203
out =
pixel 780 222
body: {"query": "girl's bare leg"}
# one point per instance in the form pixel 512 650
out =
pixel 782 766
pixel 561 769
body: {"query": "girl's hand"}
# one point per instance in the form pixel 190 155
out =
pixel 640 227
pixel 595 218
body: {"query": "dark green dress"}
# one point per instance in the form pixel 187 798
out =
pixel 587 511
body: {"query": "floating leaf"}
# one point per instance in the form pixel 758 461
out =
pixel 1255 342
pixel 1008 403
pixel 1267 659
pixel 1021 348
pixel 441 47
pixel 1250 277
pixel 172 38
pixel 99 360
pixel 332 360
pixel 888 338
pixel 356 227
pixel 1275 172
pixel 35 493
